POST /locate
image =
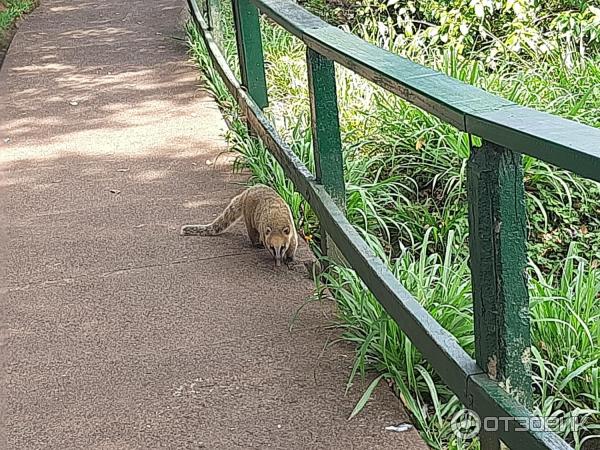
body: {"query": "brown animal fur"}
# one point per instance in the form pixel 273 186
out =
pixel 268 219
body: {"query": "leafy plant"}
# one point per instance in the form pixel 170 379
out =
pixel 11 10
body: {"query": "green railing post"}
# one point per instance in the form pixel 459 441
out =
pixel 497 240
pixel 250 51
pixel 327 144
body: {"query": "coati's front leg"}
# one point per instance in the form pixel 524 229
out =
pixel 290 254
pixel 253 233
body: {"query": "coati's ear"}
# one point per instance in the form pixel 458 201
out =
pixel 286 230
pixel 268 230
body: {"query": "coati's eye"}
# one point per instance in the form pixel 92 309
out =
pixel 286 230
pixel 268 230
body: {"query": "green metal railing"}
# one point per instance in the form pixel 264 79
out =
pixel 497 216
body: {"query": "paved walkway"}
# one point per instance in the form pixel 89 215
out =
pixel 117 333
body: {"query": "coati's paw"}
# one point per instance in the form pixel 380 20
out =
pixel 289 261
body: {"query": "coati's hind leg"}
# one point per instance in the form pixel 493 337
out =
pixel 253 233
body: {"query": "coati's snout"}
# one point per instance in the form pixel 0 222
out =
pixel 277 242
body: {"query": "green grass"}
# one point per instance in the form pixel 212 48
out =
pixel 405 173
pixel 10 11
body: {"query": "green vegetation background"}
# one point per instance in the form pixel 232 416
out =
pixel 11 10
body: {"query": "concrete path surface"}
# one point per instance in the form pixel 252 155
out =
pixel 117 333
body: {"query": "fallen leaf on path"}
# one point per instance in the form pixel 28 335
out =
pixel 115 191
pixel 123 170
pixel 73 103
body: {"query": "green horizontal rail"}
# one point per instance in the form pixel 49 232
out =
pixel 562 142
pixel 458 370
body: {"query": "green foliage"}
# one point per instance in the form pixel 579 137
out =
pixel 497 29
pixel 11 10
pixel 405 173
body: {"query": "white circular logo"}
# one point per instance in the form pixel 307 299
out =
pixel 466 424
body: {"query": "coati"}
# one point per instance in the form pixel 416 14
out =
pixel 268 220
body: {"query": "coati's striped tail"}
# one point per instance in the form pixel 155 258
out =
pixel 227 218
